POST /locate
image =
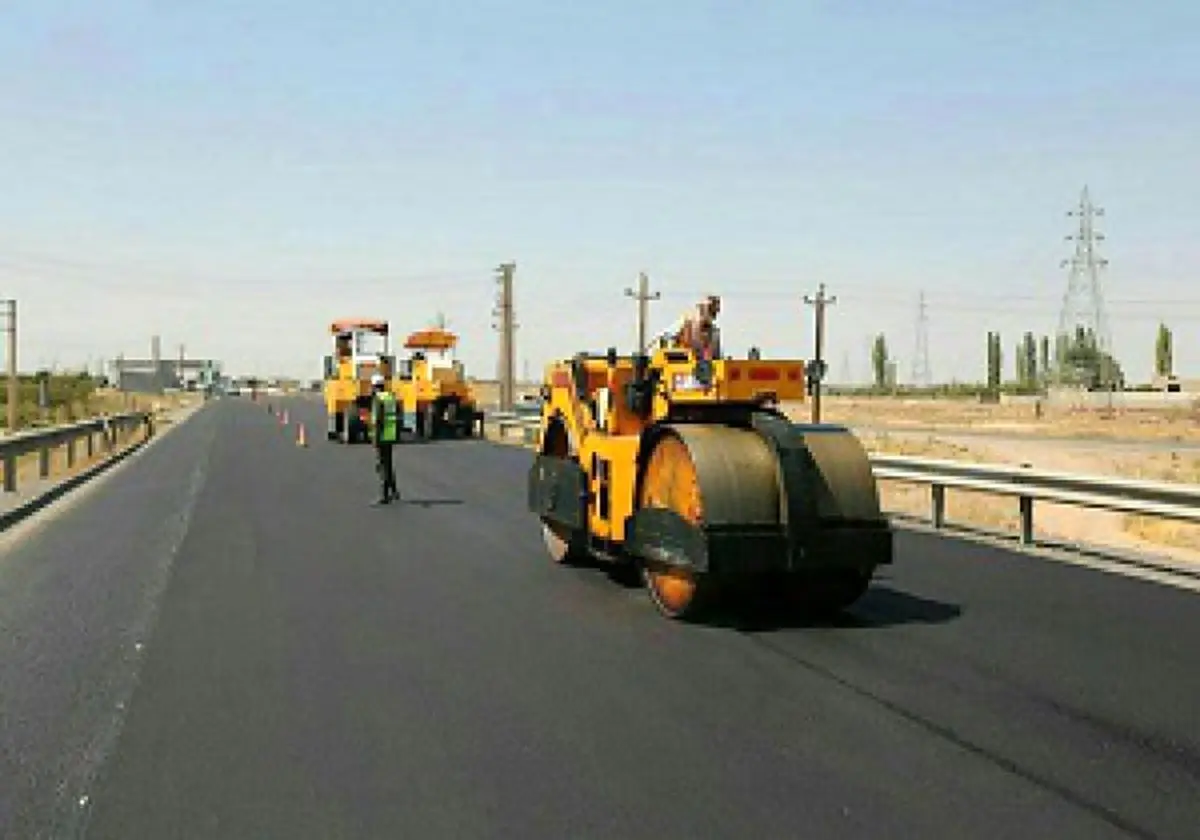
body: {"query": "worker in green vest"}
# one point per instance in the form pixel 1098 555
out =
pixel 385 426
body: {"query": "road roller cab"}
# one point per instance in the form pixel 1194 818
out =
pixel 685 468
pixel 360 350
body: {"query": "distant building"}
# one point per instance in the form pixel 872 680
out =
pixel 156 374
pixel 1176 384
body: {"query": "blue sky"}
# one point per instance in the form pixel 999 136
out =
pixel 235 175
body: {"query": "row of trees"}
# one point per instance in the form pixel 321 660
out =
pixel 1078 360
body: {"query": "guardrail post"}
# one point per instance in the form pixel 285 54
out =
pixel 10 473
pixel 937 498
pixel 44 462
pixel 71 453
pixel 1026 520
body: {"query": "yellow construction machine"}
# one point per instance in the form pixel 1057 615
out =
pixel 436 399
pixel 360 350
pixel 682 467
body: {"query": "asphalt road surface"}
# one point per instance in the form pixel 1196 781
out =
pixel 225 639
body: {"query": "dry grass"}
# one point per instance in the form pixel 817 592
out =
pixel 61 464
pixel 1164 467
pixel 1062 521
pixel 108 401
pixel 105 402
pixel 1162 425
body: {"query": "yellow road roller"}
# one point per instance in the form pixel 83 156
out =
pixel 683 468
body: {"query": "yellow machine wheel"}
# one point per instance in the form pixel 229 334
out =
pixel 669 481
pixel 562 544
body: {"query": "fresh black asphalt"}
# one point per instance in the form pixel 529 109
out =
pixel 225 639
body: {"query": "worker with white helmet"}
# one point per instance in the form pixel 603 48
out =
pixel 698 329
pixel 385 427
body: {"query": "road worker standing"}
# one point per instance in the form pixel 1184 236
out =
pixel 385 427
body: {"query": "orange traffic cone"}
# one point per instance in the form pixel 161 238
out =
pixel 301 440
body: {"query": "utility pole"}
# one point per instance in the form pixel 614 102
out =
pixel 643 296
pixel 507 327
pixel 14 381
pixel 817 368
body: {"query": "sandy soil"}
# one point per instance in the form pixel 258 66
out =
pixel 1164 426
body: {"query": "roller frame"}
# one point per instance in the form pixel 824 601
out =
pixel 806 537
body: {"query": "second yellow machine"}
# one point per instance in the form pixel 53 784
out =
pixel 685 469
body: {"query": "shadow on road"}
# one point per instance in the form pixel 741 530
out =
pixel 764 612
pixel 428 502
pixel 881 606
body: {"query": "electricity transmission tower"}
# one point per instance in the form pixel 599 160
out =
pixel 1083 303
pixel 921 374
pixel 844 373
pixel 507 326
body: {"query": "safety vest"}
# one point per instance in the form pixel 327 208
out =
pixel 387 434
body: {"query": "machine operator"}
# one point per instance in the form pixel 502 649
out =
pixel 699 331
pixel 385 426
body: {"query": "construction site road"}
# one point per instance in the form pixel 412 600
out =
pixel 225 638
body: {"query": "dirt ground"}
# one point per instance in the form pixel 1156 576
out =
pixel 116 402
pixel 1026 442
pixel 1157 425
pixel 487 392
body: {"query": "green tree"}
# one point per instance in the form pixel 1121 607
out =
pixel 1029 377
pixel 1084 363
pixel 1164 362
pixel 994 361
pixel 879 361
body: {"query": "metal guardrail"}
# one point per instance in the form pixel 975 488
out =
pixel 1124 495
pixel 1149 498
pixel 105 433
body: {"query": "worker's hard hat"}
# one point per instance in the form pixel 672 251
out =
pixel 377 379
